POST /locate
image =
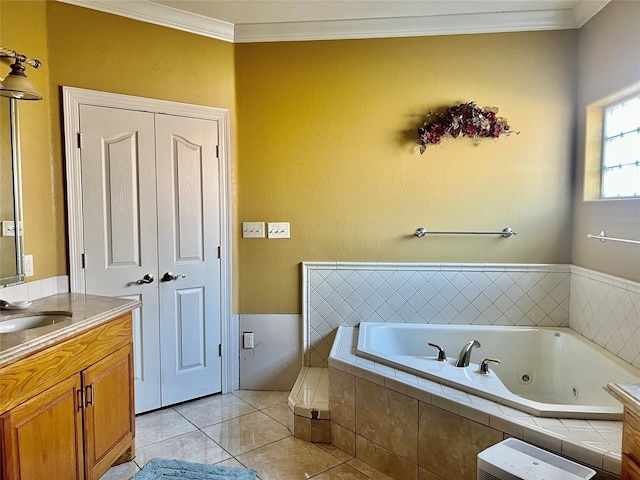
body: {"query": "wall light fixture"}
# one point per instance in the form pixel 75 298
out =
pixel 16 84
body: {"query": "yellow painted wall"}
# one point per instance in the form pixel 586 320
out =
pixel 23 28
pixel 608 61
pixel 93 50
pixel 325 131
pixel 323 136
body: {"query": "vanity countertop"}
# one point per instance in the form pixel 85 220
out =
pixel 87 311
pixel 627 393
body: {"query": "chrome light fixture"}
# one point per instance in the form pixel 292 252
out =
pixel 16 85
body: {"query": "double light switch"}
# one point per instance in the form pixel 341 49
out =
pixel 274 230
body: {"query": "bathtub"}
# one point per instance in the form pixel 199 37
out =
pixel 547 372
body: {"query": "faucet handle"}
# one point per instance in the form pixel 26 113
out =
pixel 484 365
pixel 442 357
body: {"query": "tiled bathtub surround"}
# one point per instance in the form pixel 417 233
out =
pixel 308 417
pixel 344 294
pixel 410 427
pixel 606 310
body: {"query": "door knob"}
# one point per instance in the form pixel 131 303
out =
pixel 148 278
pixel 168 276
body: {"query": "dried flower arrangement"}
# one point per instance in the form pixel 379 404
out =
pixel 466 119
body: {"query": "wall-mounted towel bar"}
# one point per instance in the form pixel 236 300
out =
pixel 505 233
pixel 602 236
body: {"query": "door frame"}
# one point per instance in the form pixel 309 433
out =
pixel 72 98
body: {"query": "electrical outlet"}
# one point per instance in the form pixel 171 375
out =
pixel 252 229
pixel 247 339
pixel 278 230
pixel 28 265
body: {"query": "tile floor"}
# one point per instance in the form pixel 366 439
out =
pixel 244 428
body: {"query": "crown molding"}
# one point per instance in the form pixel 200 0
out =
pixel 161 15
pixel 453 24
pixel 404 27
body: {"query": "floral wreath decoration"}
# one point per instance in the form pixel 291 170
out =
pixel 467 120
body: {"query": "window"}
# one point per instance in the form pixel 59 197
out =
pixel 621 149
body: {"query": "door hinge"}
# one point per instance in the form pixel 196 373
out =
pixel 219 349
pixel 79 140
pixel 217 151
pixel 219 254
pixel 82 260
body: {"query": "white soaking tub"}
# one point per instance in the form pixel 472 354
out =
pixel 547 372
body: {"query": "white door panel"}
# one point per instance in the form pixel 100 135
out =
pixel 188 239
pixel 120 227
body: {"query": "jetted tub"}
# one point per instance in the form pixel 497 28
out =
pixel 547 372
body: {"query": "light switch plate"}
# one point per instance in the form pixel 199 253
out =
pixel 8 228
pixel 278 230
pixel 252 229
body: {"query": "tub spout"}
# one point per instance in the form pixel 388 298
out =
pixel 465 353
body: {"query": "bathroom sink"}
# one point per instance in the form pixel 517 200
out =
pixel 24 322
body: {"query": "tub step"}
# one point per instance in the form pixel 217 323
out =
pixel 308 402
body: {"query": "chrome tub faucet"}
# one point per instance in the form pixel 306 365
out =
pixel 465 353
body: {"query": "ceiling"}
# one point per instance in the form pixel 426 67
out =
pixel 243 21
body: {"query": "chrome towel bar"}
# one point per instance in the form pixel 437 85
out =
pixel 602 236
pixel 505 233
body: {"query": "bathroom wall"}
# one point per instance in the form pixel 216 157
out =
pixel 23 27
pixel 325 133
pixel 88 49
pixel 608 53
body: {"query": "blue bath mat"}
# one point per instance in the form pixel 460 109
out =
pixel 163 469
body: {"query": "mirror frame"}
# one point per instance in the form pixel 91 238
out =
pixel 16 169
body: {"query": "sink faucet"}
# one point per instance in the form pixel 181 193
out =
pixel 465 353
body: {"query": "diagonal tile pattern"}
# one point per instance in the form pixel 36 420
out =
pixel 243 429
pixel 606 310
pixel 478 294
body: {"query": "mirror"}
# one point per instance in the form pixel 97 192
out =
pixel 11 238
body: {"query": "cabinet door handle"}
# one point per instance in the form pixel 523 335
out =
pixel 89 395
pixel 80 394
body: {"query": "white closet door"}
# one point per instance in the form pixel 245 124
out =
pixel 150 199
pixel 188 240
pixel 120 227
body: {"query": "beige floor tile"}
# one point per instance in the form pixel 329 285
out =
pixel 190 447
pixel 279 412
pixel 121 472
pixel 342 472
pixel 276 460
pixel 160 425
pixel 214 409
pixel 335 451
pixel 247 432
pixel 231 462
pixel 368 470
pixel 262 399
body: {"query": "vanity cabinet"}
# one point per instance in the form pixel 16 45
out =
pixel 630 446
pixel 69 409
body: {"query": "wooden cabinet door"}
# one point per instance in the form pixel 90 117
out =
pixel 630 469
pixel 42 437
pixel 109 410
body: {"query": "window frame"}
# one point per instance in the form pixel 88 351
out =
pixel 594 144
pixel 604 138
